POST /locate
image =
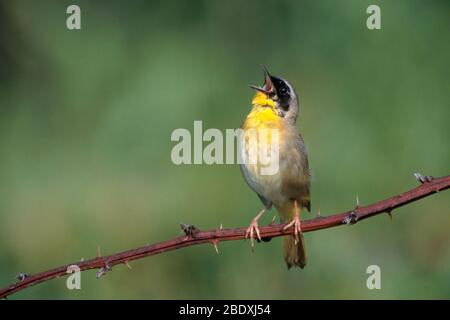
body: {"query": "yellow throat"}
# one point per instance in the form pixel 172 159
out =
pixel 263 114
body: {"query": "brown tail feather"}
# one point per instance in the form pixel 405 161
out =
pixel 294 254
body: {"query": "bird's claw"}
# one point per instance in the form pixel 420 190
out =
pixel 251 231
pixel 296 222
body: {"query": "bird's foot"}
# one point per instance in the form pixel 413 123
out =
pixel 296 222
pixel 251 231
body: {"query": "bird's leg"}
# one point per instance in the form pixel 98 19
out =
pixel 253 228
pixel 296 222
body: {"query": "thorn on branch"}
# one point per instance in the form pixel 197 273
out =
pixel 389 213
pixel 214 243
pixel 99 254
pixel 22 276
pixel 353 215
pixel 351 218
pixel 318 216
pixel 189 229
pixel 421 178
pixel 103 270
pixel 127 263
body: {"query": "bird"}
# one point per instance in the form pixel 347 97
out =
pixel 275 108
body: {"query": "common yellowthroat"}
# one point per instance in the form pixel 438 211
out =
pixel 275 109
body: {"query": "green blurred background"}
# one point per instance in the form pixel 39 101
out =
pixel 86 118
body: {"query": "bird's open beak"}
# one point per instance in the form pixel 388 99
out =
pixel 268 88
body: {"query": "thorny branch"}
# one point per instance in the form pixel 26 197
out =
pixel 193 236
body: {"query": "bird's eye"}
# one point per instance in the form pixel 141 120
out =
pixel 283 91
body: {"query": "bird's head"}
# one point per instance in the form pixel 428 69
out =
pixel 278 94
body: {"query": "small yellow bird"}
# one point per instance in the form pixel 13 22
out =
pixel 275 109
